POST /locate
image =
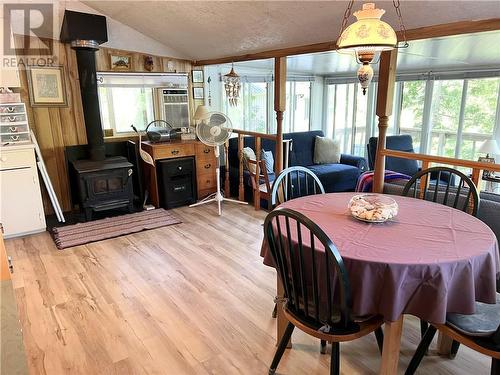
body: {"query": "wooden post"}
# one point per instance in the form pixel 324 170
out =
pixel 279 107
pixel 385 94
pixel 392 343
pixel 227 191
pixel 256 197
pixel 241 190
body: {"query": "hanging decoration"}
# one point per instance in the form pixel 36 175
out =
pixel 232 86
pixel 368 37
pixel 209 80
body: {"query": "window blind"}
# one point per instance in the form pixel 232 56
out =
pixel 141 79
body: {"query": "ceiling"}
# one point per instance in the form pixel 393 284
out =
pixel 467 52
pixel 212 29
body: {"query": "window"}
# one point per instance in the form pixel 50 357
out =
pixel 251 112
pixel 479 114
pixel 347 117
pixel 127 99
pixel 412 111
pixel 122 107
pixel 445 113
pixel 298 107
pixel 255 111
pixel 445 117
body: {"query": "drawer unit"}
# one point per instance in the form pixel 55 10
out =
pixel 207 181
pixel 204 152
pixel 177 182
pixel 173 151
pixel 14 124
pixel 10 159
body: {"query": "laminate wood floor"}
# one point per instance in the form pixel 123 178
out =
pixel 192 298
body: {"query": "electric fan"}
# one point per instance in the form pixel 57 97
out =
pixel 214 130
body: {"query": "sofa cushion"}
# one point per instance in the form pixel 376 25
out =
pixel 336 177
pixel 268 159
pixel 326 151
pixel 397 143
pixel 302 151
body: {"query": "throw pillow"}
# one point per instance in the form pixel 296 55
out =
pixel 248 154
pixel 326 151
pixel 268 159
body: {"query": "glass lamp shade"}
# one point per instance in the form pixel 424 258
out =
pixel 232 87
pixel 365 76
pixel 368 34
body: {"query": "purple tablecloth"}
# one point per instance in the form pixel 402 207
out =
pixel 429 260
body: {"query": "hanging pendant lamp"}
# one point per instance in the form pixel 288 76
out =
pixel 367 37
pixel 232 85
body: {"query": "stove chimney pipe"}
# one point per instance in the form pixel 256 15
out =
pixel 86 32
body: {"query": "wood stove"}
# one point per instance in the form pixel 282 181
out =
pixel 104 185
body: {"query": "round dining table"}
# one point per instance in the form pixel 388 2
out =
pixel 427 261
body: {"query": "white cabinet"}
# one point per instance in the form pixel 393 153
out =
pixel 21 208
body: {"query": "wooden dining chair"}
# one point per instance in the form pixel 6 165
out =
pixel 463 196
pixel 295 182
pixel 480 332
pixel 262 181
pixel 316 285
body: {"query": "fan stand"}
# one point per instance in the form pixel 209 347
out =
pixel 217 196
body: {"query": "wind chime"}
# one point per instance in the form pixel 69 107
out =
pixel 368 37
pixel 232 85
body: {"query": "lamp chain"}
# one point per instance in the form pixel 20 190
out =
pixel 347 14
pixel 397 6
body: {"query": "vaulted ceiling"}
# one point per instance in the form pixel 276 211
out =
pixel 211 29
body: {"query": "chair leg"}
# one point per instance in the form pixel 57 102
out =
pixel 495 366
pixel 379 335
pixel 454 349
pixel 323 347
pixel 335 359
pixel 275 310
pixel 281 348
pixel 422 348
pixel 423 327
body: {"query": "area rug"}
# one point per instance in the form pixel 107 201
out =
pixel 97 230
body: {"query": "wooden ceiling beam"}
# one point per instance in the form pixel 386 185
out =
pixel 434 31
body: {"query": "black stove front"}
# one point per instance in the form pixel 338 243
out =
pixel 104 185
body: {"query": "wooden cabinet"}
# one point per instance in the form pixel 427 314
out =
pixel 205 160
pixel 21 207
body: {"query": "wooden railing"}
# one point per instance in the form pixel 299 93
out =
pixel 241 186
pixel 476 166
pixel 257 144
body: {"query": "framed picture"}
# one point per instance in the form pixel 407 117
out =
pixel 487 160
pixel 120 62
pixel 197 76
pixel 46 86
pixel 198 93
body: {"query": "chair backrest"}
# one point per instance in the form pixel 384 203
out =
pixel 311 269
pixel 463 196
pixel 262 175
pixel 397 143
pixel 295 182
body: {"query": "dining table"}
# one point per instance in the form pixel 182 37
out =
pixel 427 261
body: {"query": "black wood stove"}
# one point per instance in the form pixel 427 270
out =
pixel 103 183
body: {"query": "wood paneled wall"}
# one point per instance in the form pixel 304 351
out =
pixel 58 127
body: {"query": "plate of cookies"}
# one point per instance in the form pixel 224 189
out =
pixel 373 208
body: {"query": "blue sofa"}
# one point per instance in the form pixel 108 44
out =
pixel 334 177
pixel 406 166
